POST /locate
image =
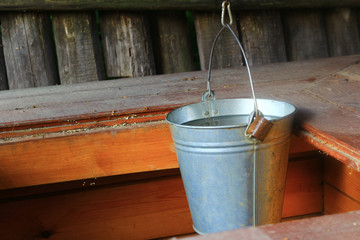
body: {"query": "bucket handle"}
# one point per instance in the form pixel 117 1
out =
pixel 210 94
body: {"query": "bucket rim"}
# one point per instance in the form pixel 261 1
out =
pixel 290 114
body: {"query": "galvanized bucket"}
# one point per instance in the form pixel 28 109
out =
pixel 232 181
pixel 231 178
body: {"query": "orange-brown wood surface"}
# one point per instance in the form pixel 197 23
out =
pixel 336 201
pixel 304 189
pixel 137 209
pixel 56 135
pixel 121 150
pixel 342 187
pixel 342 177
pixel 65 133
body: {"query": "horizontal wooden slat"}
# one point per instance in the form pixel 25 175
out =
pixel 342 177
pixel 336 201
pixel 171 4
pixel 117 150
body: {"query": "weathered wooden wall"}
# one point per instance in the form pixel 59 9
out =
pixel 52 47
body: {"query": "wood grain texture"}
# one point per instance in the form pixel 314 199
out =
pixel 304 189
pixel 342 177
pixel 117 150
pixel 305 35
pixel 139 210
pixel 28 50
pixel 342 31
pixel 171 42
pixel 336 201
pixel 227 52
pixel 149 208
pixel 166 5
pixel 162 92
pixel 262 36
pixel 77 47
pixel 3 76
pixel 54 114
pixel 127 44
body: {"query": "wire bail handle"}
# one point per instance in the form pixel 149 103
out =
pixel 258 126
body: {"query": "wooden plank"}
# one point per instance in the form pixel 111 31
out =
pixel 28 50
pixel 342 177
pixel 336 201
pixel 77 47
pixel 3 77
pixel 305 35
pixel 140 210
pixel 342 31
pixel 335 136
pixel 117 150
pixel 166 5
pixel 171 42
pixel 227 52
pixel 304 189
pixel 127 44
pixel 262 36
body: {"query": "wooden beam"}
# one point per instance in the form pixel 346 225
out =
pixel 163 5
pixel 112 151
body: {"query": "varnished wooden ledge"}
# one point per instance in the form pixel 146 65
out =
pixel 66 133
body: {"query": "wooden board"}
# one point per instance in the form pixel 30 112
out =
pixel 305 35
pixel 77 47
pixel 164 5
pixel 227 52
pixel 117 150
pixel 342 31
pixel 140 210
pixel 336 201
pixel 171 41
pixel 304 189
pixel 28 50
pixel 262 36
pixel 127 44
pixel 342 177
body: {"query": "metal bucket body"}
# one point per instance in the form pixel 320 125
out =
pixel 230 180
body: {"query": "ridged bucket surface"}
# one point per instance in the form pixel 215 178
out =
pixel 219 164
